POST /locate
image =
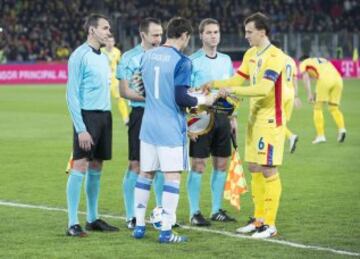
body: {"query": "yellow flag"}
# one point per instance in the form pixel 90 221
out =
pixel 235 183
pixel 69 164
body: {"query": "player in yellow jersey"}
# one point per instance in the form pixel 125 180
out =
pixel 262 65
pixel 113 54
pixel 291 98
pixel 328 90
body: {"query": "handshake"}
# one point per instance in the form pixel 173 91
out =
pixel 207 97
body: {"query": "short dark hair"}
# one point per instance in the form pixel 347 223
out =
pixel 261 21
pixel 177 26
pixel 144 24
pixel 303 57
pixel 93 19
pixel 276 43
pixel 205 22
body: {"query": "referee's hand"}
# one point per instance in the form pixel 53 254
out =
pixel 85 141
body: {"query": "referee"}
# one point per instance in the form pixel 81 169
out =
pixel 88 100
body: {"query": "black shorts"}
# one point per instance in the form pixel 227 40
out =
pixel 99 126
pixel 217 141
pixel 135 120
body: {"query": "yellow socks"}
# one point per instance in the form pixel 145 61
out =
pixel 258 192
pixel 272 198
pixel 123 109
pixel 319 119
pixel 337 116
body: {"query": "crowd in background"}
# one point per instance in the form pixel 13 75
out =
pixel 41 30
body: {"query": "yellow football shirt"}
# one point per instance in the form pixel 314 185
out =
pixel 114 58
pixel 290 71
pixel 264 70
pixel 319 68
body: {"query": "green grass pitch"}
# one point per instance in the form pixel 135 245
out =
pixel 320 204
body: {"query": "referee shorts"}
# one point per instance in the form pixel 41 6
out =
pixel 99 126
pixel 217 142
pixel 135 121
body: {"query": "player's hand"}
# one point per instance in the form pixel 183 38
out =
pixel 297 103
pixel 85 141
pixel 224 92
pixel 192 136
pixel 206 88
pixel 210 99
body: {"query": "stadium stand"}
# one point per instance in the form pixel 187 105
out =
pixel 40 30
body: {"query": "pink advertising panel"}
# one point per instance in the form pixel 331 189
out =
pixel 56 73
pixel 43 73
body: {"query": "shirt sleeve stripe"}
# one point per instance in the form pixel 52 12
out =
pixel 243 74
pixel 313 69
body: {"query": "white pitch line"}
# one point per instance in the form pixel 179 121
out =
pixel 219 232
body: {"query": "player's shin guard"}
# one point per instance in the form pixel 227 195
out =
pixel 170 203
pixel 319 120
pixel 92 188
pixel 158 187
pixel 337 116
pixel 272 198
pixel 142 194
pixel 194 188
pixel 73 192
pixel 218 179
pixel 129 183
pixel 258 194
pixel 123 109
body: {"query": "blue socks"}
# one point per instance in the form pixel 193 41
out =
pixel 92 188
pixel 218 179
pixel 158 187
pixel 129 182
pixel 193 189
pixel 73 191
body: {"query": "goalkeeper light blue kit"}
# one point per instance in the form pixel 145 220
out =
pixel 164 123
pixel 128 67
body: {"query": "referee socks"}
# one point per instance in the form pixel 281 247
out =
pixel 194 189
pixel 129 183
pixel 92 188
pixel 73 191
pixel 218 179
pixel 158 187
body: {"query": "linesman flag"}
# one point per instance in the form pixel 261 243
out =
pixel 69 164
pixel 235 183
